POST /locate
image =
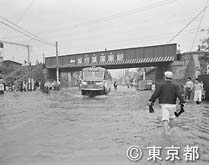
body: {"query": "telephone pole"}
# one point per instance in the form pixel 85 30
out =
pixel 19 44
pixel 43 58
pixel 28 49
pixel 57 59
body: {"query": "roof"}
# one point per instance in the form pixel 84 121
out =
pixel 9 61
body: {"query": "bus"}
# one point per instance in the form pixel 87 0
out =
pixel 95 81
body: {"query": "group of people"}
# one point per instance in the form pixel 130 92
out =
pixel 49 85
pixel 197 87
pixel 23 86
pixel 29 85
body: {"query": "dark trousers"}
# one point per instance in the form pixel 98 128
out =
pixel 188 92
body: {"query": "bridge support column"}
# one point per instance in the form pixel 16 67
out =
pixel 51 74
pixel 160 73
pixel 69 78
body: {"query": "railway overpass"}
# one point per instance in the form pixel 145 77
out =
pixel 160 56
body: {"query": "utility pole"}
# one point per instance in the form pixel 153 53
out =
pixel 57 59
pixel 43 58
pixel 19 44
pixel 1 52
pixel 28 49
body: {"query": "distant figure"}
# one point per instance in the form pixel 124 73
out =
pixel 203 90
pixel 198 88
pixel 24 86
pixel 153 87
pixel 58 85
pixel 198 48
pixel 188 88
pixel 15 85
pixel 1 85
pixel 53 85
pixel 178 53
pixel 127 85
pixel 115 85
pixel 25 62
pixel 46 87
pixel 178 49
pixel 36 85
pixel 182 89
pixel 197 72
pixel 32 84
pixel 21 86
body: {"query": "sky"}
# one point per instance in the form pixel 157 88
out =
pixel 81 26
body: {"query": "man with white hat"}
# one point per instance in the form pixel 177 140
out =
pixel 167 93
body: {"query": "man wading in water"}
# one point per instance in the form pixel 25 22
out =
pixel 167 93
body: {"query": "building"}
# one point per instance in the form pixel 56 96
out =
pixel 9 66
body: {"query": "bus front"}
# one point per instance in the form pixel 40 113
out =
pixel 92 81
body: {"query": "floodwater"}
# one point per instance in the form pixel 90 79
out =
pixel 65 128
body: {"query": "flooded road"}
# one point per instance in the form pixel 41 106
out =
pixel 65 128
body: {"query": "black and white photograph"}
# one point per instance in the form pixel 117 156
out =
pixel 104 82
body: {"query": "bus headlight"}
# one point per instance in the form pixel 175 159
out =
pixel 84 83
pixel 99 83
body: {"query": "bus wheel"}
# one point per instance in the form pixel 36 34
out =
pixel 83 92
pixel 105 92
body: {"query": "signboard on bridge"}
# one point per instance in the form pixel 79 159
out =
pixel 113 58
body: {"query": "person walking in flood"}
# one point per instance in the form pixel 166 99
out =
pixel 153 87
pixel 198 89
pixel 188 88
pixel 115 85
pixel 1 85
pixel 15 85
pixel 203 90
pixel 167 93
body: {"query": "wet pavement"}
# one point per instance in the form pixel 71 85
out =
pixel 65 128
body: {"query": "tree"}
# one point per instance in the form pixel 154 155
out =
pixel 205 41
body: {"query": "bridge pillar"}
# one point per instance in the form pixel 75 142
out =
pixel 160 73
pixel 51 74
pixel 69 78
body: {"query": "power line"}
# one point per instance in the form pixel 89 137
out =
pixel 23 14
pixel 114 16
pixel 25 10
pixel 20 27
pixel 131 40
pixel 14 29
pixel 23 31
pixel 89 37
pixel 117 15
pixel 199 26
pixel 187 24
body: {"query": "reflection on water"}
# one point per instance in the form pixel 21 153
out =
pixel 65 127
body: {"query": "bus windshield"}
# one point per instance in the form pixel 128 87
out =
pixel 93 76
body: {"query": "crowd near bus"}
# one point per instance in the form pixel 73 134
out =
pixel 28 85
